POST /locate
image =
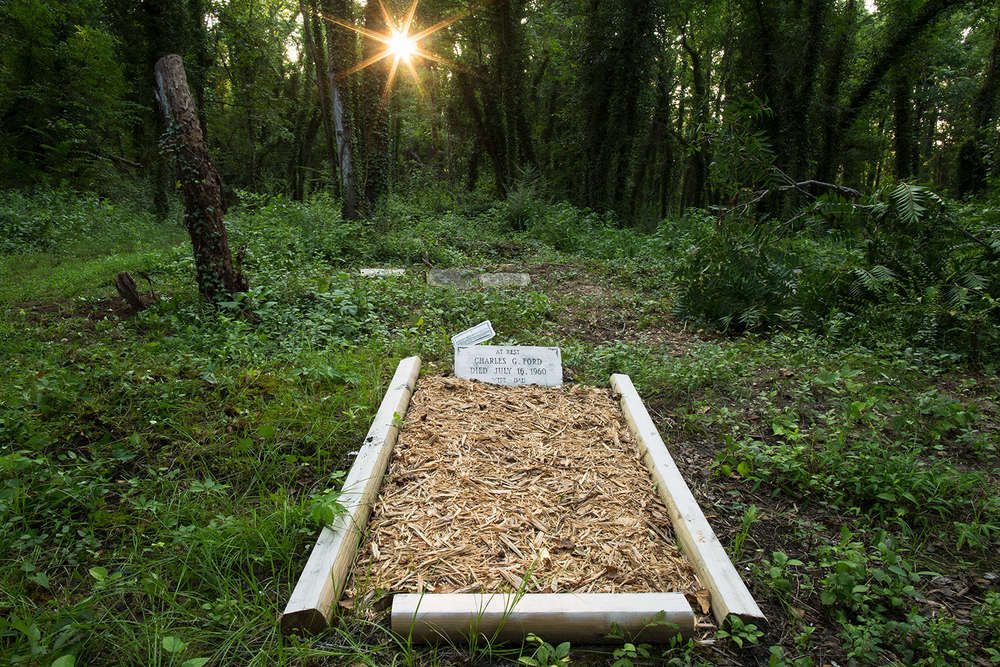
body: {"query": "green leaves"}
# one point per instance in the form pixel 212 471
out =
pixel 739 632
pixel 174 646
pixel 546 655
pixel 326 507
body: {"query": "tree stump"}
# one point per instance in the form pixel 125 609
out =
pixel 129 291
pixel 203 202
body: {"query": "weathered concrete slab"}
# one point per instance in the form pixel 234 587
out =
pixel 460 278
pixel 505 279
pixel 469 278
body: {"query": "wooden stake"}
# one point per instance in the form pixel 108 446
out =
pixel 701 547
pixel 321 582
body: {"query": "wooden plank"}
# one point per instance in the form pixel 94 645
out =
pixel 701 546
pixel 555 617
pixel 322 580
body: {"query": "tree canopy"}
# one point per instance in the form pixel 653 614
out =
pixel 636 107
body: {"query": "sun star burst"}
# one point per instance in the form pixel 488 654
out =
pixel 400 43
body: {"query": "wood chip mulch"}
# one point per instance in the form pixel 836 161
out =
pixel 493 488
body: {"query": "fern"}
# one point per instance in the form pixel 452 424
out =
pixel 874 279
pixel 907 198
pixel 737 286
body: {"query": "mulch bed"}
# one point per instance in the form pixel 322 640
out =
pixel 497 488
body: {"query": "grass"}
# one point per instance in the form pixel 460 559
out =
pixel 161 475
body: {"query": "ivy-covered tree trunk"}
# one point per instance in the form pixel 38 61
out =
pixel 620 44
pixel 695 183
pixel 203 202
pixel 340 47
pixel 375 161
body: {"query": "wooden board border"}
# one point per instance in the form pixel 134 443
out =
pixel 322 580
pixel 579 618
pixel 697 539
pixel 426 618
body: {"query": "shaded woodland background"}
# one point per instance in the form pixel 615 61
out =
pixel 639 108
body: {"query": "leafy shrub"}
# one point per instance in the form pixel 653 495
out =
pixel 736 286
pixel 277 231
pixel 884 480
pixel 897 269
pixel 66 221
pixel 562 226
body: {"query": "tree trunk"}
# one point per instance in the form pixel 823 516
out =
pixel 203 202
pixel 339 46
pixel 903 135
pixel 346 153
pixel 318 56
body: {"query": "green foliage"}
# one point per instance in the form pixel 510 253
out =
pixel 896 268
pixel 561 226
pixel 778 659
pixel 735 287
pixel 883 481
pixel 179 462
pixel 64 222
pixel 62 95
pixel 746 523
pixel 740 633
pixel 629 652
pixel 775 573
pixel 918 640
pixel 862 582
pixel 545 654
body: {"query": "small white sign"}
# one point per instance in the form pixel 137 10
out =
pixel 381 273
pixel 510 365
pixel 474 336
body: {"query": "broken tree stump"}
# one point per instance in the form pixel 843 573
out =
pixel 125 284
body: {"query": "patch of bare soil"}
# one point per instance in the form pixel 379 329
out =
pixel 592 310
pixel 73 321
pixel 45 312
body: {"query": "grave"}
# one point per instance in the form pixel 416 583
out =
pixel 469 278
pixel 460 278
pixel 505 279
pixel 542 599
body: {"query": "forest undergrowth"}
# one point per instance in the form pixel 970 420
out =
pixel 826 385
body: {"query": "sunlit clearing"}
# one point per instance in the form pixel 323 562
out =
pixel 401 45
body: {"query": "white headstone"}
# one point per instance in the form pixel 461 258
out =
pixel 510 365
